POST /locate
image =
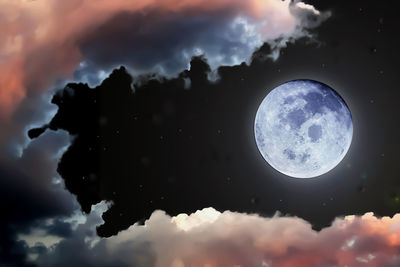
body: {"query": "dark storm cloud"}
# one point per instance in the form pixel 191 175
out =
pixel 162 41
pixel 145 41
pixel 31 178
pixel 58 228
pixel 13 138
pixel 44 41
pixel 28 194
pixel 83 248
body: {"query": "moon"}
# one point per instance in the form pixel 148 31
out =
pixel 303 128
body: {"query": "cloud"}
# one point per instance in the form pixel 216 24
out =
pixel 211 238
pixel 30 190
pixel 33 178
pixel 225 35
pixel 44 41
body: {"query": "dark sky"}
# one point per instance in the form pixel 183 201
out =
pixel 152 143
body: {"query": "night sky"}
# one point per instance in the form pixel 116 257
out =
pixel 149 113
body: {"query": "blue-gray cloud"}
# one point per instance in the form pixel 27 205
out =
pixel 164 42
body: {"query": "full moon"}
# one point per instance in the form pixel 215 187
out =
pixel 303 128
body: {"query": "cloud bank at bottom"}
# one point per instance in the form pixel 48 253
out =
pixel 209 238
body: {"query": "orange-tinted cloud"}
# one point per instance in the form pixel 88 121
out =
pixel 42 39
pixel 209 238
pixel 11 84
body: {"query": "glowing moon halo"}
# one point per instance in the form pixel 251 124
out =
pixel 303 128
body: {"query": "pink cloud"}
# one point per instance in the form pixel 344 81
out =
pixel 210 238
pixel 41 39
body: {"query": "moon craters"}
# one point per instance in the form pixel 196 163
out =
pixel 303 128
pixel 315 132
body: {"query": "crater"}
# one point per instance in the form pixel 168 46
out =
pixel 289 153
pixel 289 100
pixel 332 101
pixel 304 157
pixel 317 101
pixel 315 132
pixel 314 102
pixel 296 118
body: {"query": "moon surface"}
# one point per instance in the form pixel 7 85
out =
pixel 303 128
